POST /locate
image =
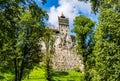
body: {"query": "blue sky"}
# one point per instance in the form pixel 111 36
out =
pixel 48 5
pixel 70 8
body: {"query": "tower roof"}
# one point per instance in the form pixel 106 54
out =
pixel 62 15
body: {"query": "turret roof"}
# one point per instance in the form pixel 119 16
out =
pixel 62 15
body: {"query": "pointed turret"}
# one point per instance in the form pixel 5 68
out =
pixel 62 15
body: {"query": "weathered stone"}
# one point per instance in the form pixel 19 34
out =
pixel 64 60
pixel 65 57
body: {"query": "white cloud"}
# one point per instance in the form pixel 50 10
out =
pixel 70 8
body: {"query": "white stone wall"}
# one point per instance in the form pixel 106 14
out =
pixel 66 59
pixel 65 31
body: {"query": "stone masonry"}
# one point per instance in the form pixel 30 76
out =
pixel 64 57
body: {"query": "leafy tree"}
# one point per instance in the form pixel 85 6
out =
pixel 83 28
pixel 107 45
pixel 105 60
pixel 95 4
pixel 49 40
pixel 21 28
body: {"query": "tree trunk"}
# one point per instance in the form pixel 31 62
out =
pixel 16 71
pixel 21 71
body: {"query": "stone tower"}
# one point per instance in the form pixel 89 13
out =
pixel 63 23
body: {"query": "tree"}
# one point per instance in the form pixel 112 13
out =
pixel 95 4
pixel 83 28
pixel 49 40
pixel 107 45
pixel 105 60
pixel 21 28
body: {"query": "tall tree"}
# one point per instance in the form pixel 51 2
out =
pixel 105 60
pixel 49 40
pixel 83 28
pixel 107 45
pixel 21 28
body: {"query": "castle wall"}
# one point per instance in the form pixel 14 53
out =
pixel 65 57
pixel 64 31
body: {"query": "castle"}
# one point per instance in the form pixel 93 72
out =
pixel 65 57
pixel 64 37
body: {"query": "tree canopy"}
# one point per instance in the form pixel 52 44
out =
pixel 104 63
pixel 107 45
pixel 83 27
pixel 20 30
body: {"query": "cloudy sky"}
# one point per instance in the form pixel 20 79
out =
pixel 70 8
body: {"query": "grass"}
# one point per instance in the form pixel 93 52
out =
pixel 38 74
pixel 6 77
pixel 67 76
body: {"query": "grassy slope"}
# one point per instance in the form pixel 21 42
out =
pixel 6 77
pixel 38 74
pixel 68 76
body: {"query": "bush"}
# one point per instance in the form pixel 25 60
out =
pixel 77 69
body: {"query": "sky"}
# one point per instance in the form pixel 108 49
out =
pixel 70 8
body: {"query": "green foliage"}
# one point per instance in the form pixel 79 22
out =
pixel 96 4
pixel 107 46
pixel 105 62
pixel 49 40
pixel 20 31
pixel 82 25
pixel 83 28
pixel 77 69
